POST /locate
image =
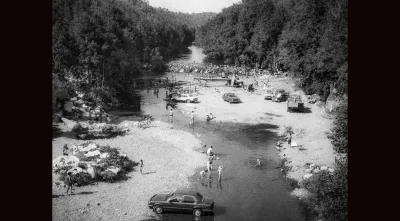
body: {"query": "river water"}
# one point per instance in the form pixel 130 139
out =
pixel 246 192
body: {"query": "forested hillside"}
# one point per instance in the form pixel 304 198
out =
pixel 305 37
pixel 100 46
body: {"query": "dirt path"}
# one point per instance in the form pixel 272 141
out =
pixel 169 159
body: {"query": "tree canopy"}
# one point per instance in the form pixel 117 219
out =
pixel 104 44
pixel 305 37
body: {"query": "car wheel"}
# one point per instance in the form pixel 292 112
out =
pixel 187 101
pixel 158 209
pixel 197 212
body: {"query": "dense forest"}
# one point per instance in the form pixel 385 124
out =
pixel 306 37
pixel 101 46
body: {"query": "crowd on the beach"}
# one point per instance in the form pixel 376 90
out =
pixel 218 71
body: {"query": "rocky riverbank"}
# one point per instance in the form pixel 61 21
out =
pixel 169 156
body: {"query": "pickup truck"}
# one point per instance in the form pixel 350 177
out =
pixel 294 102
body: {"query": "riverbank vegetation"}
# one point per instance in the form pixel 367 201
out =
pixel 101 46
pixel 307 38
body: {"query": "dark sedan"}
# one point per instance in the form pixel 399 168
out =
pixel 231 98
pixel 182 201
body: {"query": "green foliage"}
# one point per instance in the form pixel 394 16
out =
pixel 339 132
pixel 305 37
pixel 82 179
pixel 100 46
pixel 81 156
pixel 83 166
pixel 62 169
pixel 329 193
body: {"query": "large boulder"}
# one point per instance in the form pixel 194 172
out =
pixel 65 160
pixel 90 170
pixel 75 170
pixel 92 153
pixel 69 123
pixel 113 169
pixel 104 155
pixel 89 147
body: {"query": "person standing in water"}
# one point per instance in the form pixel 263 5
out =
pixel 171 115
pixel 192 118
pixel 219 174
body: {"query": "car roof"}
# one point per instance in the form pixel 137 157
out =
pixel 186 192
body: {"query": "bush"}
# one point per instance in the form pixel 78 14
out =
pixel 329 193
pixel 81 156
pixel 83 166
pixel 339 133
pixel 62 169
pixel 82 179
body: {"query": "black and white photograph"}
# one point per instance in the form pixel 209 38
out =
pixel 212 110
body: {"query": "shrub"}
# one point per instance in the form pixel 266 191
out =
pixel 339 133
pixel 62 169
pixel 82 179
pixel 83 166
pixel 81 156
pixel 329 193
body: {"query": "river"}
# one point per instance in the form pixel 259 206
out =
pixel 246 192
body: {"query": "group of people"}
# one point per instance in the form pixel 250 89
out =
pixel 207 171
pixel 145 122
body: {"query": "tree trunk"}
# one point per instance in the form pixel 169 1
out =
pixel 102 82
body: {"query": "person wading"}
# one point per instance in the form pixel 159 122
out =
pixel 192 118
pixel 219 174
pixel 171 115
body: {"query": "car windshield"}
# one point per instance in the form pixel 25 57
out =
pixel 199 197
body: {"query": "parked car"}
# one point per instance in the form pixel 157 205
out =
pixel 280 95
pixel 269 95
pixel 181 201
pixel 188 98
pixel 231 98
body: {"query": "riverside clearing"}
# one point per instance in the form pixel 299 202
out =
pixel 240 133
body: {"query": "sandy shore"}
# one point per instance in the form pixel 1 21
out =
pixel 310 127
pixel 169 156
